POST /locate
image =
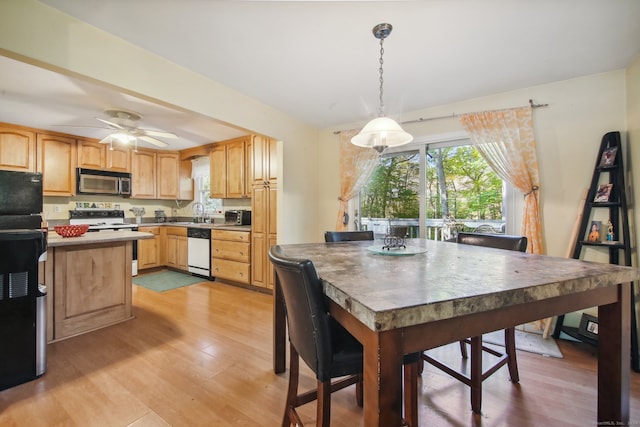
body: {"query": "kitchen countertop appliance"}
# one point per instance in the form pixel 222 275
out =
pixel 106 220
pixel 23 244
pixel 237 217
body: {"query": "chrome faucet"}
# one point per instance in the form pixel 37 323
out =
pixel 198 211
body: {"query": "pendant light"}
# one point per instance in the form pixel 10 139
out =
pixel 381 132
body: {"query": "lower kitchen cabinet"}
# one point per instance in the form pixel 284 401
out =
pixel 176 247
pixel 89 286
pixel 149 250
pixel 231 255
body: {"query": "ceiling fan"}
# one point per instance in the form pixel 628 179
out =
pixel 124 123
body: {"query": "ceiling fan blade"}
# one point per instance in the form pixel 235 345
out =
pixel 154 141
pixel 108 123
pixel 106 140
pixel 157 133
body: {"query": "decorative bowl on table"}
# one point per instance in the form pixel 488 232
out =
pixel 71 230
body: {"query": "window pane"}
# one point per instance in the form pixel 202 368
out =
pixel 461 186
pixel 392 195
pixel 462 193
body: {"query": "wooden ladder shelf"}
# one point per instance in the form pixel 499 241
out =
pixel 606 195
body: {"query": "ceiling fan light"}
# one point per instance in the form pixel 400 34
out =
pixel 380 133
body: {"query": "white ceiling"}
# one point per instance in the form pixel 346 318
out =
pixel 318 60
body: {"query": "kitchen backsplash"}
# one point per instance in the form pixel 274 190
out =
pixel 57 208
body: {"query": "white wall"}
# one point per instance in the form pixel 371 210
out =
pixel 42 36
pixel 568 134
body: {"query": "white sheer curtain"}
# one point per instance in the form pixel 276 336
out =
pixel 505 139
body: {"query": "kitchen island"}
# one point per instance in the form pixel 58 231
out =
pixel 88 281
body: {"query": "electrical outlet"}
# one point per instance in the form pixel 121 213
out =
pixel 56 208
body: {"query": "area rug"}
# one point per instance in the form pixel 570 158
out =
pixel 166 280
pixel 526 341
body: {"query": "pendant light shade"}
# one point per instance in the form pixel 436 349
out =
pixel 381 132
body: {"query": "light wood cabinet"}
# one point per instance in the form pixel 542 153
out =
pixel 168 173
pixel 231 255
pixel 264 231
pixel 93 155
pixel 218 176
pixel 149 249
pixel 264 160
pixel 185 191
pixel 176 247
pixel 17 149
pixel 118 159
pixel 158 175
pixel 229 169
pixel 143 174
pixel 91 287
pixel 236 169
pixel 56 160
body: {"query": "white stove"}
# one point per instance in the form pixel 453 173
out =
pixel 106 220
pixel 101 219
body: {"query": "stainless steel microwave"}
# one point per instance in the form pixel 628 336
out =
pixel 91 181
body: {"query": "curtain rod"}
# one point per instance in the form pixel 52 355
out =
pixel 454 115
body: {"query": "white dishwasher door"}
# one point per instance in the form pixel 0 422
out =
pixel 198 252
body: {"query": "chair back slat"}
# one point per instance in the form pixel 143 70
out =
pixel 347 236
pixel 498 241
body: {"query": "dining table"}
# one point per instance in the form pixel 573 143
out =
pixel 403 300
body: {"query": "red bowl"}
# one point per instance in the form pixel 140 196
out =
pixel 71 230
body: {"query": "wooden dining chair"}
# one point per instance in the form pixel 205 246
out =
pixel 347 236
pixel 324 345
pixel 478 375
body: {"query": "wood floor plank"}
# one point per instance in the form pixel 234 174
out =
pixel 201 356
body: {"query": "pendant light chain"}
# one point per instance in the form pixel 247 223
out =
pixel 381 132
pixel 381 111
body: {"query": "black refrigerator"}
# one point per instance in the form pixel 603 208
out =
pixel 23 244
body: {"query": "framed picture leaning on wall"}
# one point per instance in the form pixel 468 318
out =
pixel 608 157
pixel 603 193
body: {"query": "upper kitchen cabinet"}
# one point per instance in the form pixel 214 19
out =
pixel 168 165
pixel 186 181
pixel 218 177
pixel 143 174
pixel 93 155
pixel 17 149
pixel 56 160
pixel 229 160
pixel 160 175
pixel 264 160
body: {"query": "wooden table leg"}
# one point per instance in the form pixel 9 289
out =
pixel 613 359
pixel 383 367
pixel 279 330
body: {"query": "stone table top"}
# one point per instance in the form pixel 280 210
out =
pixel 448 280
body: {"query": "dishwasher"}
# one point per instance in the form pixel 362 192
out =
pixel 198 251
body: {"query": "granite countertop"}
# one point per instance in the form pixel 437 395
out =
pixel 55 240
pixel 448 280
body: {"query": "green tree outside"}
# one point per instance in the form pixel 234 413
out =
pixel 459 184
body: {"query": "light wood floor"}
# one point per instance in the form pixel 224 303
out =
pixel 201 356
